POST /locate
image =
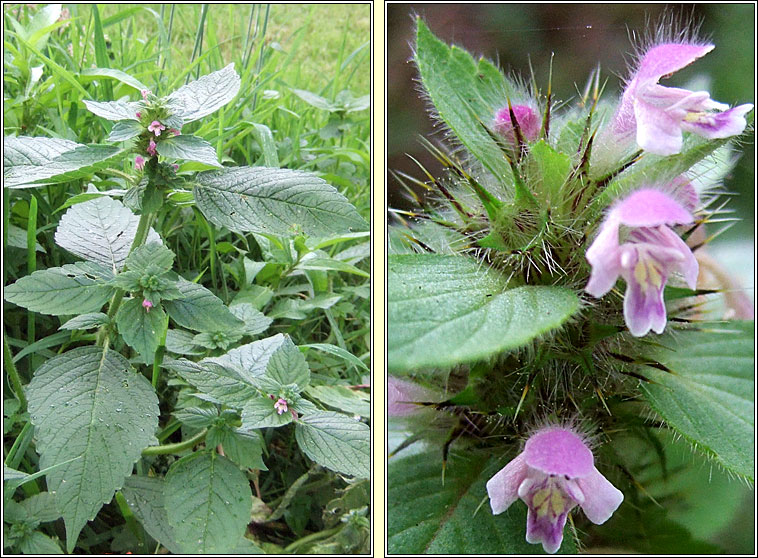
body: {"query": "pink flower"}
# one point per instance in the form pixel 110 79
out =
pixel 139 115
pixel 402 394
pixel 651 251
pixel 659 114
pixel 175 166
pixel 281 406
pixel 555 472
pixel 145 93
pixel 139 162
pixel 526 117
pixel 156 128
pixel 147 305
pixel 151 148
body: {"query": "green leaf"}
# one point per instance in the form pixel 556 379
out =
pixel 244 447
pixel 179 341
pixel 101 230
pixel 114 110
pixel 150 258
pixel 208 500
pixel 338 352
pixel 287 366
pixel 90 403
pixel 38 544
pixel 71 289
pixel 706 391
pixel 86 321
pixel 118 75
pixel 31 162
pixel 335 441
pixel 425 516
pixel 17 239
pixel 189 148
pixel 145 498
pixel 259 412
pixel 224 384
pixel 446 310
pixel 201 310
pixel 255 321
pixel 125 130
pixel 342 398
pixel 274 201
pixel 319 263
pixel 39 507
pixel 463 95
pixel 140 328
pixel 205 95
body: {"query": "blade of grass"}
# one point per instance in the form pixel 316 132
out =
pixel 101 51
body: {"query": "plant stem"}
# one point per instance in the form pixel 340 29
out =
pixel 143 227
pixel 19 446
pixel 13 376
pixel 31 267
pixel 176 448
pixel 131 523
pixel 159 352
pixel 312 537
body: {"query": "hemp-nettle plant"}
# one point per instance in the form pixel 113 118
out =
pixel 168 357
pixel 549 312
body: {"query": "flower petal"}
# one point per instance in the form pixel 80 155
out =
pixel 718 125
pixel 503 488
pixel 541 530
pixel 648 207
pixel 688 264
pixel 657 131
pixel 668 58
pixel 603 256
pixel 558 451
pixel 601 498
pixel 644 308
pixel 402 394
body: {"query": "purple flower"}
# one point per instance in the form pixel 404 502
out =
pixel 659 114
pixel 139 162
pixel 555 472
pixel 650 252
pixel 151 148
pixel 402 394
pixel 156 127
pixel 526 117
pixel 281 406
pixel 147 305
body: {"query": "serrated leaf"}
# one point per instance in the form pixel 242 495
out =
pixel 447 310
pixel 125 130
pixel 71 289
pixel 150 257
pixel 31 162
pixel 274 201
pixel 38 544
pixel 335 441
pixel 706 393
pixel 114 110
pixel 140 328
pixel 145 497
pixel 205 95
pixel 38 507
pixel 208 500
pixel 100 230
pixel 259 412
pixel 255 321
pixel 221 383
pixel 288 366
pixel 245 448
pixel 189 148
pixel 338 352
pixel 86 321
pixel 90 404
pixel 201 310
pixel 463 96
pixel 425 516
pixel 179 341
pixel 342 398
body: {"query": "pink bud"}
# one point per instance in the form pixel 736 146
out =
pixel 139 115
pixel 139 162
pixel 147 305
pixel 151 148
